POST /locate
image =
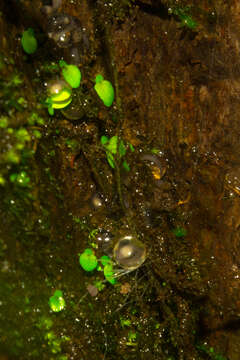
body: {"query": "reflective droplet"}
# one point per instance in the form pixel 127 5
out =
pixel 129 252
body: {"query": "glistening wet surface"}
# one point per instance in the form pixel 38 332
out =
pixel 119 230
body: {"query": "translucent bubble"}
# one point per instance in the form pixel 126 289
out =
pixel 129 252
pixel 65 30
pixel 55 87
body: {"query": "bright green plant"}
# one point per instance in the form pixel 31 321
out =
pixel 115 150
pixel 88 260
pixel 99 285
pixel 105 260
pixel 28 41
pixel 104 89
pixel 57 302
pixel 125 322
pixel 109 273
pixel 45 324
pixel 35 119
pixel 132 338
pixel 71 73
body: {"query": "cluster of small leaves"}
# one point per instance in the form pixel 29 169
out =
pixel 57 302
pixel 45 324
pixel 116 150
pixel 16 147
pixel 89 262
pixel 10 83
pixel 18 133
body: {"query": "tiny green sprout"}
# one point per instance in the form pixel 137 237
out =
pixel 104 90
pixel 71 73
pixel 34 118
pixel 16 80
pixel 155 151
pixel 28 41
pixel 99 285
pixel 125 322
pixel 180 232
pixel 92 234
pixel 114 146
pixel 88 260
pixel 132 337
pixel 109 273
pixel 105 260
pixel 57 302
pixel 126 166
pixel 104 140
pixel 21 179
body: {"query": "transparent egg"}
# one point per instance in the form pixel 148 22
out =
pixel 129 252
pixel 65 30
pixel 97 201
pixel 54 87
pixel 76 110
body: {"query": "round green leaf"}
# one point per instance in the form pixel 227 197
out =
pixel 104 90
pixel 109 274
pixel 28 41
pixel 57 302
pixel 105 260
pixel 88 260
pixel 71 73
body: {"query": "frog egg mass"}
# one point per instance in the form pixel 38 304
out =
pixel 129 252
